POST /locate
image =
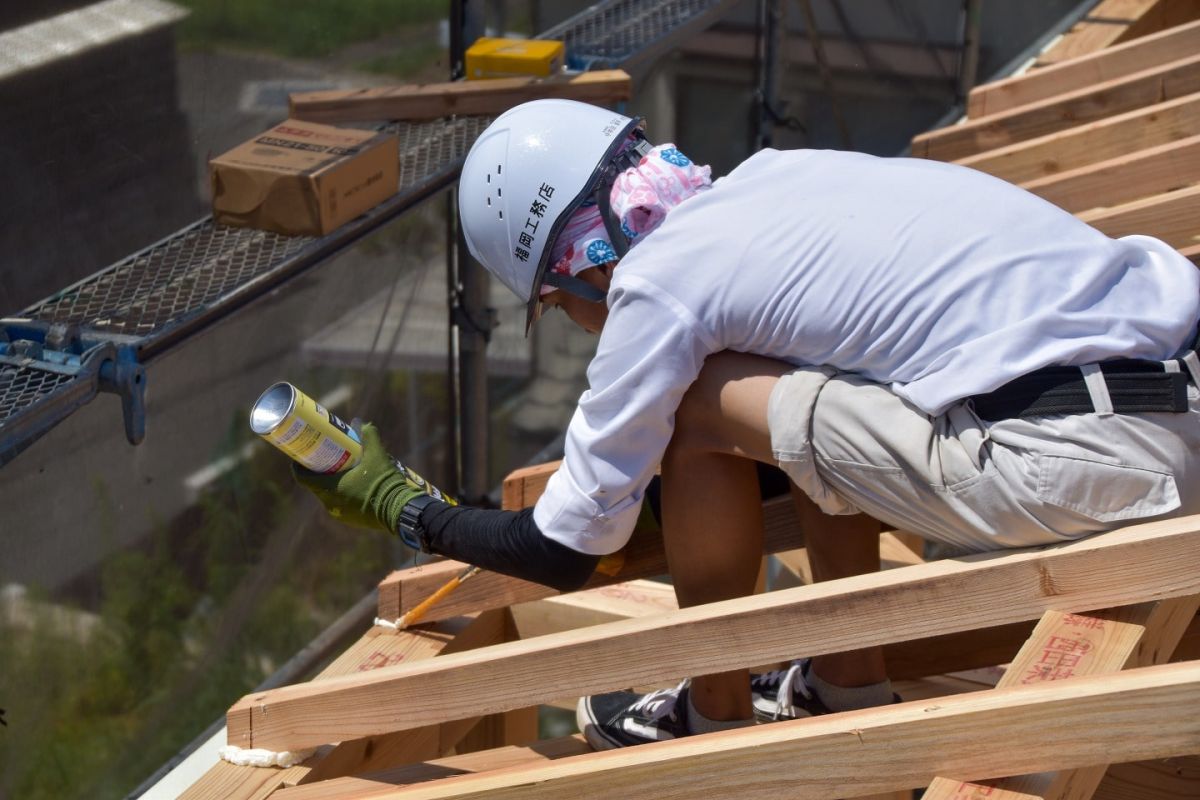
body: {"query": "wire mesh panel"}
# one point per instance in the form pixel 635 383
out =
pixel 162 283
pixel 623 33
pixel 437 146
pixel 21 387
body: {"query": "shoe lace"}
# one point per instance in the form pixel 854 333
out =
pixel 790 682
pixel 660 703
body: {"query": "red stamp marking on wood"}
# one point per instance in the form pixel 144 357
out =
pixel 972 791
pixel 1060 657
pixel 380 659
pixel 624 593
pixel 1077 621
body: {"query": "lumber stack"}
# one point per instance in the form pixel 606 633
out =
pixel 1099 636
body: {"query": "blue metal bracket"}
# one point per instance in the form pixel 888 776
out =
pixel 48 371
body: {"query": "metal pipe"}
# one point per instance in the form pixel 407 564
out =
pixel 968 64
pixel 814 39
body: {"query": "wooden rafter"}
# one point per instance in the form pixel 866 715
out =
pixel 1150 561
pixel 1150 86
pixel 1173 217
pixel 1070 645
pixel 1056 153
pixel 1139 714
pixel 1114 21
pixel 1155 170
pixel 1080 73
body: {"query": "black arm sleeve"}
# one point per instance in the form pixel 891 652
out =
pixel 508 542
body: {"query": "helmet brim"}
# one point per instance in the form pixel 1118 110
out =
pixel 539 276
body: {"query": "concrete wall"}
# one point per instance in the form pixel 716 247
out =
pixel 96 162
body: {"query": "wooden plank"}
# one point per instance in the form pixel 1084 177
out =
pixel 1173 217
pixel 1192 253
pixel 1168 779
pixel 1135 715
pixel 1139 563
pixel 644 557
pixel 436 100
pixel 431 741
pixel 470 763
pixel 1113 22
pixel 1107 139
pixel 1123 179
pixel 522 487
pixel 1107 99
pixel 1105 65
pixel 1069 645
pixel 593 607
pixel 551 749
pixel 375 649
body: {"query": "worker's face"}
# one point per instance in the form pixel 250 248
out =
pixel 584 313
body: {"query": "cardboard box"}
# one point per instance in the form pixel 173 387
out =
pixel 301 178
pixel 510 58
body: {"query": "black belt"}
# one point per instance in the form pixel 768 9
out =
pixel 1133 385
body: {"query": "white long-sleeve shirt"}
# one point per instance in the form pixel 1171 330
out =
pixel 939 280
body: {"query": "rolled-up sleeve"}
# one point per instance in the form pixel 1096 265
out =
pixel 650 352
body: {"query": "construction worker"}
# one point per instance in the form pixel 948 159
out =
pixel 912 342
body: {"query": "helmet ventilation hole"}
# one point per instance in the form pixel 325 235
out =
pixel 499 192
pixel 501 215
pixel 489 201
pixel 498 168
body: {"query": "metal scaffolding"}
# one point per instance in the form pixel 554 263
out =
pixel 98 334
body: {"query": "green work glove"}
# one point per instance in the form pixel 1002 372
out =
pixel 372 493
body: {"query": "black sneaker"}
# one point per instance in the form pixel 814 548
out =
pixel 622 719
pixel 784 694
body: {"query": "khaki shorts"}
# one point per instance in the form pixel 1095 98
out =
pixel 853 445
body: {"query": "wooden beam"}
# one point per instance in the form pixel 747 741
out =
pixel 469 98
pixel 1107 139
pixel 1123 179
pixel 1115 21
pixel 569 612
pixel 1070 645
pixel 1151 561
pixel 1191 252
pixel 375 649
pixel 643 556
pixel 1167 779
pixel 470 763
pixel 1173 217
pixel 1079 73
pixel 549 750
pixel 1150 86
pixel 1135 715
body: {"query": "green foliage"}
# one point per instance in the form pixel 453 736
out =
pixel 300 28
pixel 182 626
pixel 405 62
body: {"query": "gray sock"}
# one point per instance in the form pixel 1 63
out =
pixel 849 698
pixel 698 723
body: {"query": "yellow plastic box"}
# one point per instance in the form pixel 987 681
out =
pixel 509 58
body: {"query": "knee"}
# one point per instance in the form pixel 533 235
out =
pixel 700 419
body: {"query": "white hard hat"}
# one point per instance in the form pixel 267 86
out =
pixel 524 177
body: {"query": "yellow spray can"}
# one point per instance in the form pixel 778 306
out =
pixel 309 433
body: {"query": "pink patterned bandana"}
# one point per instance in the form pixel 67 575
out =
pixel 641 198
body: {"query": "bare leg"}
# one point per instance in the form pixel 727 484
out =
pixel 712 517
pixel 839 547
